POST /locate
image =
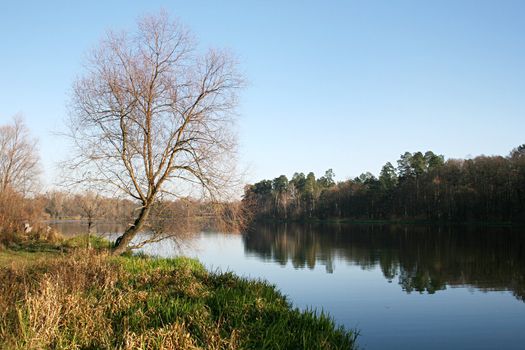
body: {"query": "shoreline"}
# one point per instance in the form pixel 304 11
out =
pixel 54 291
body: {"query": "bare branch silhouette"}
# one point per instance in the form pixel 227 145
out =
pixel 153 116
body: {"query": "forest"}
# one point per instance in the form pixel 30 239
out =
pixel 423 186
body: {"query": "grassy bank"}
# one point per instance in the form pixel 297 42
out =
pixel 78 299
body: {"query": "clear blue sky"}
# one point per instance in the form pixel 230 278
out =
pixel 346 85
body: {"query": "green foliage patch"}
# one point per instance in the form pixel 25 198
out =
pixel 89 300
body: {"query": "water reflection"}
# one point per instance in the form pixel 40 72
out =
pixel 420 258
pixel 76 227
pixel 425 259
pixel 361 259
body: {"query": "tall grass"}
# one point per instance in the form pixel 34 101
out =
pixel 89 300
pixel 15 211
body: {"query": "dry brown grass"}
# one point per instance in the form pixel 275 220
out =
pixel 86 299
pixel 174 336
pixel 45 305
pixel 68 302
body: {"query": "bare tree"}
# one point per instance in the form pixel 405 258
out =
pixel 55 203
pixel 19 162
pixel 91 205
pixel 152 116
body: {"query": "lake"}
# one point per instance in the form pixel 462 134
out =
pixel 401 286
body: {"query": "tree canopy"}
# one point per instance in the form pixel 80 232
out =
pixel 423 187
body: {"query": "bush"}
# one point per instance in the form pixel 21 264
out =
pixel 15 212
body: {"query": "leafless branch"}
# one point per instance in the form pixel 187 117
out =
pixel 153 115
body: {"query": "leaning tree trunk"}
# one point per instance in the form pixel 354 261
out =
pixel 123 241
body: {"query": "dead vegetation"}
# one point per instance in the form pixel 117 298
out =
pixel 91 300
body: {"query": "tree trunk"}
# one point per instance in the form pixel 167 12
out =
pixel 123 241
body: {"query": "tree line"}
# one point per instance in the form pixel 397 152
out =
pixel 172 215
pixel 423 186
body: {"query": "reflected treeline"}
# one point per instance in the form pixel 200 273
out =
pixel 420 258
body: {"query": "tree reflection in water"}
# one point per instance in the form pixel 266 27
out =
pixel 425 259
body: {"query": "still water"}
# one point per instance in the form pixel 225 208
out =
pixel 402 287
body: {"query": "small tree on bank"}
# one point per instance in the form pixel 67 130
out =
pixel 151 117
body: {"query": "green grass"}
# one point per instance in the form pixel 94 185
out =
pixel 182 290
pixel 27 252
pixel 8 257
pixel 84 299
pixel 85 240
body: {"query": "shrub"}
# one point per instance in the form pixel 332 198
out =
pixel 15 211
